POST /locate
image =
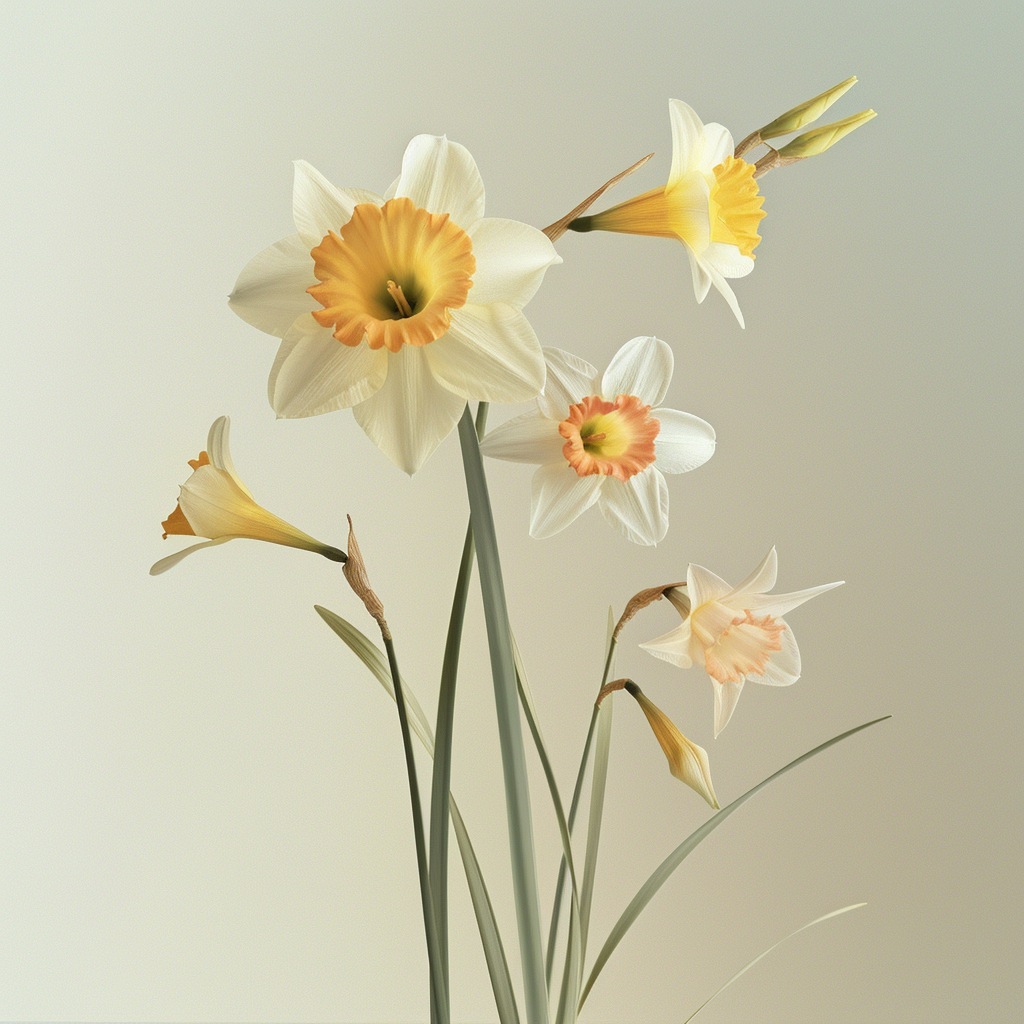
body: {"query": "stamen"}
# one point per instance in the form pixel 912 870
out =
pixel 395 291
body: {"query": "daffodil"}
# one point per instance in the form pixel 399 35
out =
pixel 214 503
pixel 736 633
pixel 711 204
pixel 603 438
pixel 400 306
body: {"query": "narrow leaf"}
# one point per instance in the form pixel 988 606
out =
pixel 510 733
pixel 494 951
pixel 743 970
pixel 681 852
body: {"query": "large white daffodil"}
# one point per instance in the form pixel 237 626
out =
pixel 711 204
pixel 734 632
pixel 600 438
pixel 214 503
pixel 400 306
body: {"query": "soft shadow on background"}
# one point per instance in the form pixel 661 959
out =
pixel 203 800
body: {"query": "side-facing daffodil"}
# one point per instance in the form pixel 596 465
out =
pixel 603 438
pixel 214 503
pixel 400 306
pixel 711 204
pixel 736 633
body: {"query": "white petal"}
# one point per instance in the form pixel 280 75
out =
pixel 442 177
pixel 702 585
pixel 361 195
pixel 559 496
pixel 218 452
pixel 489 354
pixel 317 205
pixel 389 192
pixel 637 507
pixel 684 442
pixel 673 646
pixel 569 380
pixel 642 367
pixel 314 373
pixel 687 139
pixel 701 278
pixel 761 579
pixel 270 292
pixel 172 560
pixel 511 259
pixel 783 668
pixel 720 283
pixel 412 413
pixel 779 604
pixel 726 697
pixel 528 438
pixel 727 259
pixel 718 145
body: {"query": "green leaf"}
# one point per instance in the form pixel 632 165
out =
pixel 574 950
pixel 490 937
pixel 743 970
pixel 597 788
pixel 681 852
pixel 510 733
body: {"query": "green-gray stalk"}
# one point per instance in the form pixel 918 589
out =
pixel 556 910
pixel 510 733
pixel 438 986
pixel 441 779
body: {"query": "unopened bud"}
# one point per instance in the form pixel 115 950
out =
pixel 686 761
pixel 819 139
pixel 793 120
pixel 355 573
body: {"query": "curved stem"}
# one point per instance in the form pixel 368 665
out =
pixel 556 909
pixel 438 986
pixel 441 778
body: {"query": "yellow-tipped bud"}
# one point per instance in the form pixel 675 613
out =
pixel 686 761
pixel 793 120
pixel 819 139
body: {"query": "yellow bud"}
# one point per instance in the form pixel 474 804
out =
pixel 805 113
pixel 819 139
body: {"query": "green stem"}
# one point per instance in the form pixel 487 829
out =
pixel 441 778
pixel 438 986
pixel 510 732
pixel 556 910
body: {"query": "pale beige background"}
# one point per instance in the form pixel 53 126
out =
pixel 203 800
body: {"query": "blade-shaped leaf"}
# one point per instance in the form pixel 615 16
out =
pixel 687 846
pixel 494 951
pixel 743 970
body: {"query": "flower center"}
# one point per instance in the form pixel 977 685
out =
pixel 735 205
pixel 741 648
pixel 391 275
pixel 609 438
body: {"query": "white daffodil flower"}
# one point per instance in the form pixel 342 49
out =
pixel 736 633
pixel 711 204
pixel 214 503
pixel 400 306
pixel 602 438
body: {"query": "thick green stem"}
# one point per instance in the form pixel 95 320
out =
pixel 556 910
pixel 438 986
pixel 441 779
pixel 513 754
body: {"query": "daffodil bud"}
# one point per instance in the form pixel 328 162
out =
pixel 686 761
pixel 819 139
pixel 793 120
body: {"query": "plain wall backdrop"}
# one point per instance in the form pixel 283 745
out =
pixel 202 794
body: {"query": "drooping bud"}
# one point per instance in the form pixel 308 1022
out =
pixel 686 761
